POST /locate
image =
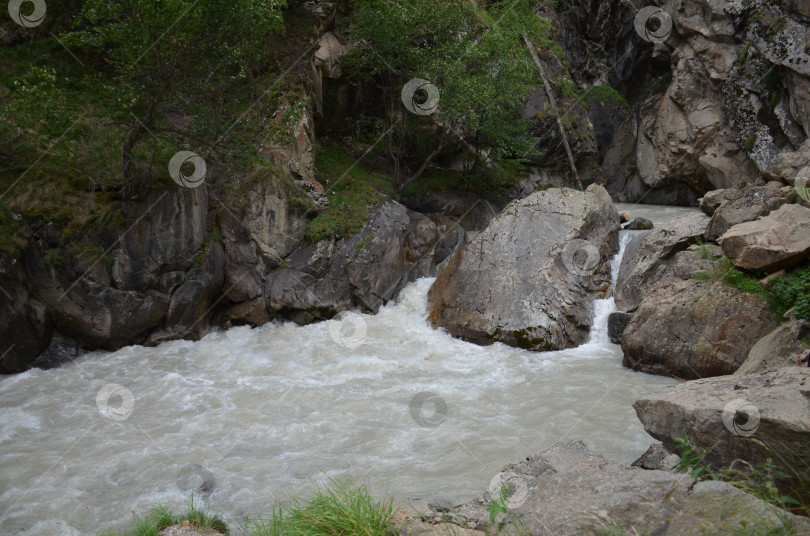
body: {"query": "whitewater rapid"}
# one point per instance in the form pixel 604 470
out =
pixel 248 415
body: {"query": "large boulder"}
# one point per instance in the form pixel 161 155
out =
pixel 366 270
pixel 747 204
pixel 571 491
pixel 655 256
pixel 777 349
pixel 694 329
pixel 530 278
pixel 752 417
pixel 779 240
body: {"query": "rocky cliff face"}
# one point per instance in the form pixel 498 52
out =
pixel 719 93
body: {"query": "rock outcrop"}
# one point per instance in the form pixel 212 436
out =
pixel 695 329
pixel 530 278
pixel 753 418
pixel 659 255
pixel 747 204
pixel 779 240
pixel 777 349
pixel 571 491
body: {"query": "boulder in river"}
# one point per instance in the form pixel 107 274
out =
pixel 695 329
pixel 639 224
pixel 530 278
pixel 653 257
pixel 752 417
pixel 779 240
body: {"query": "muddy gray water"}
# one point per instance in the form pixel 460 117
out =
pixel 249 414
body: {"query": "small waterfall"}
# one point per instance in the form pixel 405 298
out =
pixel 604 307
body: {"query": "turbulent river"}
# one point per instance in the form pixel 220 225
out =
pixel 248 415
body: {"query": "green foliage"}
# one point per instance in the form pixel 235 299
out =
pixel 351 188
pixel 723 269
pixel 784 485
pixel 476 58
pixel 160 517
pixel 340 509
pixel 792 290
pixel 605 95
pixel 11 243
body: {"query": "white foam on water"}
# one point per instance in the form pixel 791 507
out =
pixel 270 410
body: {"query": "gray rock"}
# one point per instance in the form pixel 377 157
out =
pixel 190 306
pixel 695 329
pixel 711 201
pixel 651 259
pixel 530 278
pixel 570 491
pixel 712 413
pixel 779 240
pixel 777 349
pixel 747 204
pixel 616 324
pixel 366 270
pixel 658 457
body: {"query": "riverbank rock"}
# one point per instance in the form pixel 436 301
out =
pixel 777 349
pixel 571 491
pixel 366 270
pixel 617 322
pixel 695 329
pixel 655 256
pixel 530 278
pixel 779 240
pixel 747 204
pixel 721 414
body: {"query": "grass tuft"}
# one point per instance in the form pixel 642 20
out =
pixel 340 509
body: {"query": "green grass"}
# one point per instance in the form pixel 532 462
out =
pixel 340 509
pixel 782 482
pixel 161 516
pixel 351 188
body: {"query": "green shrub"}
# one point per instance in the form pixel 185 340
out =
pixel 340 509
pixel 792 290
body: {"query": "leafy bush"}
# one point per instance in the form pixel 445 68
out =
pixel 792 290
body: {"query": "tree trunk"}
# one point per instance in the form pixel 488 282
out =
pixel 539 64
